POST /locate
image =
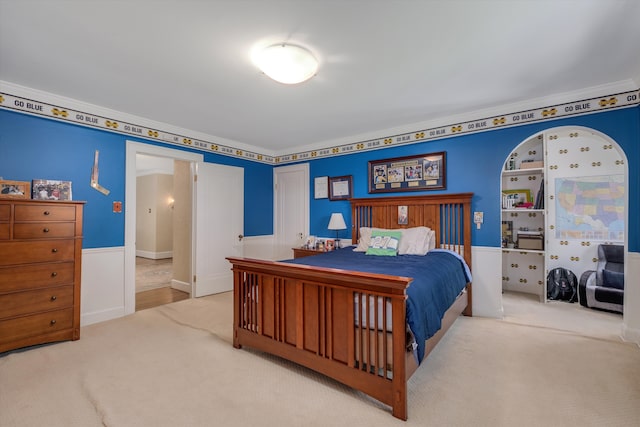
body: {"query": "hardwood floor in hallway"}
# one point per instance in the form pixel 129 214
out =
pixel 160 296
pixel 153 283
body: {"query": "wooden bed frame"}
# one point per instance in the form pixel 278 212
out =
pixel 301 313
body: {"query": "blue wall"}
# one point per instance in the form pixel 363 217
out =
pixel 38 148
pixel 474 164
pixel 34 147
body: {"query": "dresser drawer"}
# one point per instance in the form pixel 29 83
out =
pixel 4 231
pixel 5 212
pixel 43 230
pixel 21 303
pixel 37 324
pixel 44 213
pixel 33 276
pixel 14 253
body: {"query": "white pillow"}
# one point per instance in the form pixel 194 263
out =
pixel 432 240
pixel 414 240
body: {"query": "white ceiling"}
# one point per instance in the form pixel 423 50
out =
pixel 385 66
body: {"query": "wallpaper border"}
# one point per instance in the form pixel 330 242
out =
pixel 65 113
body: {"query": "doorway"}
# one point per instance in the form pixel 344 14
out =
pixel 208 222
pixel 183 163
pixel 155 217
pixel 578 210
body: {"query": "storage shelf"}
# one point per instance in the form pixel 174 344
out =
pixel 523 210
pixel 523 171
pixel 529 251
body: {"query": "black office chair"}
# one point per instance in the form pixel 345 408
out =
pixel 603 287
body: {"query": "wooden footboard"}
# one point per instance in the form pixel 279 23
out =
pixel 307 315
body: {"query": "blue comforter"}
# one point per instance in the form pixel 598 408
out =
pixel 438 278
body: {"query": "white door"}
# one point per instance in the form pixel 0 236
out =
pixel 291 208
pixel 219 229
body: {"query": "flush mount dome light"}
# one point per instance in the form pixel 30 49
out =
pixel 286 63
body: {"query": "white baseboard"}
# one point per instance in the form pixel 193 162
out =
pixel 101 316
pixel 154 255
pixel 630 334
pixel 181 286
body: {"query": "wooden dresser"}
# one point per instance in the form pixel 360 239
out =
pixel 40 262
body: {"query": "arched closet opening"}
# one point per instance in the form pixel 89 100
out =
pixel 564 193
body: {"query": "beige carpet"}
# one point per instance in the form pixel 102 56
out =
pixel 174 366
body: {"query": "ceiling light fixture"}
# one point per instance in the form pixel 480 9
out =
pixel 286 63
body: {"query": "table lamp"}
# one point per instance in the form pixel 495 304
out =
pixel 337 223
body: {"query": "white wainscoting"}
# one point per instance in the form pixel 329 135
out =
pixel 631 320
pixel 102 290
pixel 261 247
pixel 487 281
pixel 102 294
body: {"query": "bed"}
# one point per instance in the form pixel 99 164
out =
pixel 348 323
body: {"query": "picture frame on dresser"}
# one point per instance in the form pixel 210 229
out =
pixel 15 189
pixel 47 189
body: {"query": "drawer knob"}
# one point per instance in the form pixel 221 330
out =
pixel 53 322
pixel 47 213
pixel 54 250
pixel 54 274
pixel 45 230
pixel 53 297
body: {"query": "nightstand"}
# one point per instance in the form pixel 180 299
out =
pixel 302 252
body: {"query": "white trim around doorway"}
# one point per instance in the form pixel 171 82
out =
pixel 134 148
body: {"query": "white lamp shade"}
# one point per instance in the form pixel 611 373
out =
pixel 337 222
pixel 286 63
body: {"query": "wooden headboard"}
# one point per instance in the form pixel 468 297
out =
pixel 449 215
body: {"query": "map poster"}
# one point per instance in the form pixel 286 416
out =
pixel 590 208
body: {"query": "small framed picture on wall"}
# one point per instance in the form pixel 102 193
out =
pixel 341 187
pixel 321 187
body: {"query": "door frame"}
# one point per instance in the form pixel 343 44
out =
pixel 133 148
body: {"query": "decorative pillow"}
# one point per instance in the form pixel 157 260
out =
pixel 612 279
pixel 364 238
pixel 384 243
pixel 414 241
